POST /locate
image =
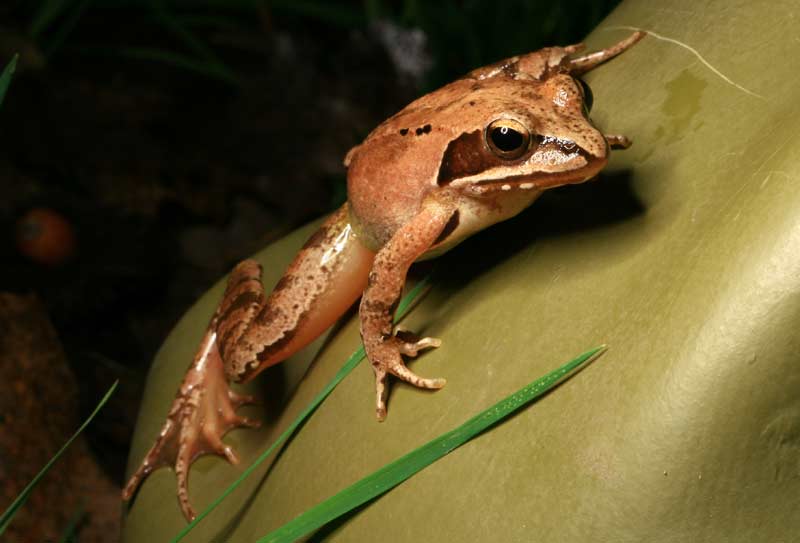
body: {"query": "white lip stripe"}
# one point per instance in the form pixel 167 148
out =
pixel 497 174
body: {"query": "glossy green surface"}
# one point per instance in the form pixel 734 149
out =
pixel 685 257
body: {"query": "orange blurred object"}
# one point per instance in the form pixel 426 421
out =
pixel 45 236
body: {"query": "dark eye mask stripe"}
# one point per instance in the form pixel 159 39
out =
pixel 468 155
pixel 463 157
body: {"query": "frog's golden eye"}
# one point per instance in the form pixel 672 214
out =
pixel 507 138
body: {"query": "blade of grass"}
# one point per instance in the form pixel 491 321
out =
pixel 9 514
pixel 404 467
pixel 348 366
pixel 5 77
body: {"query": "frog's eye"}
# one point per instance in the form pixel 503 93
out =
pixel 587 95
pixel 507 138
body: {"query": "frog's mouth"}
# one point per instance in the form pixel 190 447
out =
pixel 556 169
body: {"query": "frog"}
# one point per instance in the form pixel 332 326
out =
pixel 473 153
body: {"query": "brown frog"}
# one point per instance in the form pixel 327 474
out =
pixel 471 154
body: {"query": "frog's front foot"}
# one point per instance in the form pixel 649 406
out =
pixel 386 359
pixel 203 411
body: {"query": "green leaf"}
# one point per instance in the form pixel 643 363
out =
pixel 5 77
pixel 404 467
pixel 9 514
pixel 349 365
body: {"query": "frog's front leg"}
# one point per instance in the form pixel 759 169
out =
pixel 250 332
pixel 378 304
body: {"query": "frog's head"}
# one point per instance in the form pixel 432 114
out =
pixel 511 130
pixel 531 128
pixel 537 136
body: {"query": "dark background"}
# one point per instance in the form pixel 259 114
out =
pixel 171 139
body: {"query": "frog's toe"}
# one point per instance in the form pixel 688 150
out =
pixel 387 360
pixel 401 371
pixel 239 400
pixel 381 393
pixel 410 344
pixel 246 422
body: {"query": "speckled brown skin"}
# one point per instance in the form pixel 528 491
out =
pixel 328 274
pixel 249 333
pixel 420 183
pixel 430 164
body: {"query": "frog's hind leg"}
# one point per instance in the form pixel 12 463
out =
pixel 329 273
pixel 248 333
pixel 585 63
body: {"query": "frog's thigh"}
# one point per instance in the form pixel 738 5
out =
pixel 326 277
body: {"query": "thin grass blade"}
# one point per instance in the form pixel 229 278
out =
pixel 404 467
pixel 9 514
pixel 348 366
pixel 5 77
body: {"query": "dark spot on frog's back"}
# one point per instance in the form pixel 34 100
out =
pixel 423 130
pixel 463 157
pixel 403 131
